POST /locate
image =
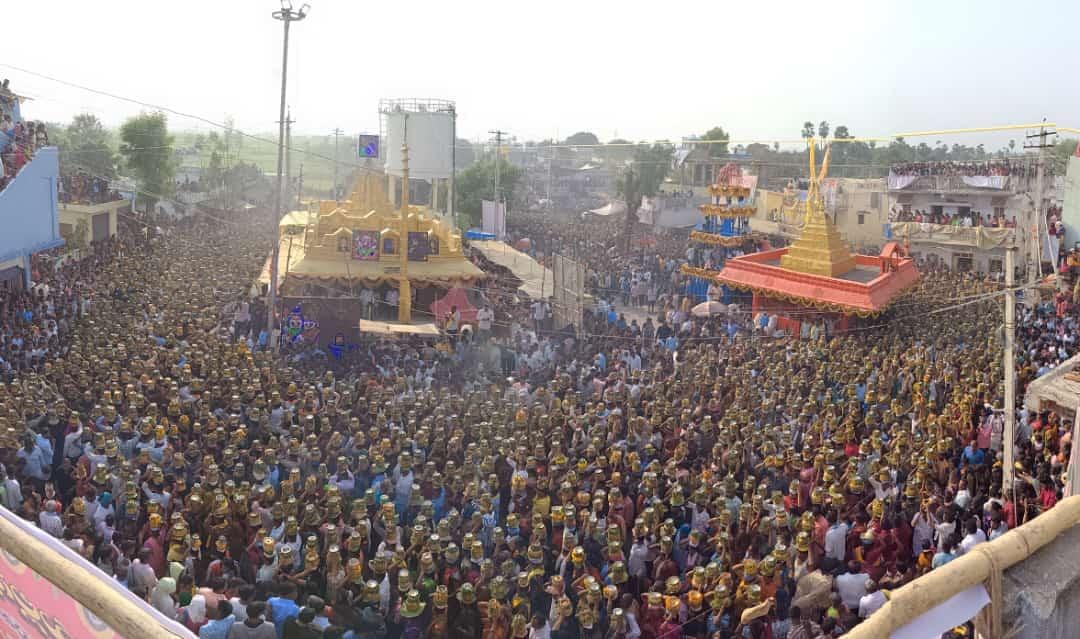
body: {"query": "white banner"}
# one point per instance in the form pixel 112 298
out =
pixel 948 614
pixel 900 181
pixel 493 219
pixel 985 181
pixel 646 213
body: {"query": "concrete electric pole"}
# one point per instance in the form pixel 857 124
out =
pixel 337 159
pixel 1036 230
pixel 1008 435
pixel 498 156
pixel 287 16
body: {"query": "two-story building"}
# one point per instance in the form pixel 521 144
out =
pixel 963 220
pixel 857 208
pixel 83 223
pixel 29 217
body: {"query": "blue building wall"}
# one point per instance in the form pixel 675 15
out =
pixel 29 219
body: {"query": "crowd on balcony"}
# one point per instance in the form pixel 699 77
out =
pixel 81 187
pixel 999 167
pixel 950 218
pixel 19 139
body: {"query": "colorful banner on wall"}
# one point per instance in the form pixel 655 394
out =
pixel 419 247
pixel 365 245
pixel 32 607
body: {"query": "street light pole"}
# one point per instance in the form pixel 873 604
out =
pixel 286 15
pixel 337 157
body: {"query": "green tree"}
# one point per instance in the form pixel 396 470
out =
pixel 617 151
pixel 823 129
pixel 464 154
pixel 147 148
pixel 841 132
pixel 807 129
pixel 476 183
pixel 653 163
pixel 86 144
pixel 583 138
pixel 713 134
pixel 215 170
pixel 643 177
pixel 1060 153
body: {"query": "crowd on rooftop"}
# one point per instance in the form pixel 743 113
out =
pixel 19 138
pixel 996 167
pixel 82 187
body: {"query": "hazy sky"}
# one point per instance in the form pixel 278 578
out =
pixel 640 70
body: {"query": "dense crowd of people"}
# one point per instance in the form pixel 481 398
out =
pixel 996 167
pixel 19 139
pixel 681 477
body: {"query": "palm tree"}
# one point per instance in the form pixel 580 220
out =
pixel 823 129
pixel 808 129
pixel 776 146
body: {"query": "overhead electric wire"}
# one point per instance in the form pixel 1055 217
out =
pixel 686 140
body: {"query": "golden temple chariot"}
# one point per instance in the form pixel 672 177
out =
pixel 820 249
pixel 337 248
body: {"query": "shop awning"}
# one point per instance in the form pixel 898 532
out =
pixel 537 281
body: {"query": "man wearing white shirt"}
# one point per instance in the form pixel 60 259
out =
pixel 835 538
pixel 484 317
pixel 870 603
pixel 50 521
pixel 851 586
pixel 974 537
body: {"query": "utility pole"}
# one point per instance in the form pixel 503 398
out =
pixel 1008 436
pixel 551 160
pixel 404 286
pixel 453 167
pixel 287 16
pixel 337 157
pixel 300 186
pixel 225 174
pixel 1040 213
pixel 498 153
pixel 630 193
pixel 288 160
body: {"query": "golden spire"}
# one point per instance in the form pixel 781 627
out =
pixel 819 250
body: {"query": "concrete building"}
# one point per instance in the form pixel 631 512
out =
pixel 963 247
pixel 857 208
pixel 29 217
pixel 83 224
pixel 1071 202
pixel 696 167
